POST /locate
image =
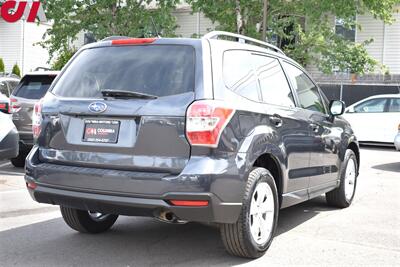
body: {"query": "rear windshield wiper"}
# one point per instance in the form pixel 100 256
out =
pixel 126 94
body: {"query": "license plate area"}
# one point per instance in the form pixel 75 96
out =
pixel 101 131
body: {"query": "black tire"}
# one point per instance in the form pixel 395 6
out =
pixel 19 161
pixel 81 221
pixel 237 237
pixel 337 197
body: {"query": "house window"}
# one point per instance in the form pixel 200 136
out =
pixel 348 33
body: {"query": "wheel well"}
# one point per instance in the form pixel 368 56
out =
pixel 268 162
pixel 356 151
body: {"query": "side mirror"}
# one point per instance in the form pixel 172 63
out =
pixel 337 107
pixel 4 107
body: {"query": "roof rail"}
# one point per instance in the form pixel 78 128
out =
pixel 242 39
pixel 42 68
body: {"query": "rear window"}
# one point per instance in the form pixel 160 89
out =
pixel 34 86
pixel 159 70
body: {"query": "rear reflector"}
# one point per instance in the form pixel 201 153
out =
pixel 189 203
pixel 133 41
pixel 31 185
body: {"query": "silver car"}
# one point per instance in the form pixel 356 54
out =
pixel 8 137
pixel 32 87
pixel 7 83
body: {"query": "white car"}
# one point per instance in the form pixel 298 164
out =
pixel 375 119
pixel 397 140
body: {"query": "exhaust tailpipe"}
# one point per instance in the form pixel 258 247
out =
pixel 168 217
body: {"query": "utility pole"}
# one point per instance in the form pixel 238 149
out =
pixel 264 26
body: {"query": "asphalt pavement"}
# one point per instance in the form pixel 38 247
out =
pixel 311 233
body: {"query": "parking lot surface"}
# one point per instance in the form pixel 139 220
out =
pixel 312 233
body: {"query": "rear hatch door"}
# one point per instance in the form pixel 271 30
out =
pixel 121 108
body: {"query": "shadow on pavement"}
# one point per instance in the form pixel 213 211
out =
pixel 11 170
pixel 132 241
pixel 292 217
pixel 377 147
pixel 391 167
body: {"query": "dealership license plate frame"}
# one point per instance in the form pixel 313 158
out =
pixel 90 136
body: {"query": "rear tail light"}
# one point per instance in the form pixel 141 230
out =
pixel 37 119
pixel 205 122
pixel 4 107
pixel 189 203
pixel 14 106
pixel 31 185
pixel 133 41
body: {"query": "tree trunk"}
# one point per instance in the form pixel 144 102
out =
pixel 114 10
pixel 239 18
pixel 264 26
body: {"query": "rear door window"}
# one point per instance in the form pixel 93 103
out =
pixel 394 105
pixel 239 75
pixel 34 86
pixel 273 84
pixel 371 106
pixel 159 70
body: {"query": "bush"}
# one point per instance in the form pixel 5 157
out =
pixel 63 59
pixel 16 70
pixel 2 67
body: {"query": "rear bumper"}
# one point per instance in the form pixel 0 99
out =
pixel 143 196
pixel 216 211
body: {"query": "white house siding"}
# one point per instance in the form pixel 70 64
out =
pixel 79 41
pixel 190 24
pixel 385 48
pixel 34 55
pixel 10 44
pixel 17 45
pixel 371 29
pixel 391 55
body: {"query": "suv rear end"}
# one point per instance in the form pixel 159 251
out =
pixel 151 127
pixel 126 150
pixel 33 86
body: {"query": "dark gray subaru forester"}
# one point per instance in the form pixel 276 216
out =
pixel 223 129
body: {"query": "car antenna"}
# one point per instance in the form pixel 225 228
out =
pixel 155 27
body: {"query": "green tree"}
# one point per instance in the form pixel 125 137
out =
pixel 16 70
pixel 2 67
pixel 63 59
pixel 303 28
pixel 105 18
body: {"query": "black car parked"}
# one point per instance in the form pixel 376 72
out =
pixel 204 130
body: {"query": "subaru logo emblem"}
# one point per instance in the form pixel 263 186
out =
pixel 97 107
